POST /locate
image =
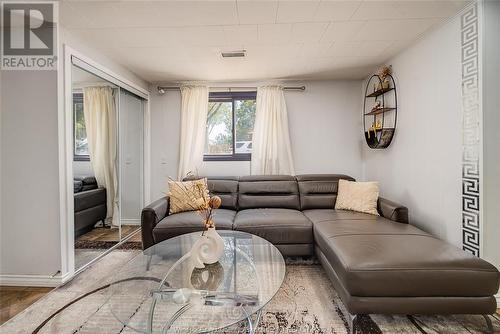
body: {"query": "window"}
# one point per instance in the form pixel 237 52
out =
pixel 230 121
pixel 80 144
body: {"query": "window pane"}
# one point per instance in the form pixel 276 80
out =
pixel 245 119
pixel 219 128
pixel 81 144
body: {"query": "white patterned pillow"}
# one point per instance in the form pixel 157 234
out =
pixel 357 196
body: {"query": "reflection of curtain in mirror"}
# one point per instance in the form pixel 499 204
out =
pixel 100 123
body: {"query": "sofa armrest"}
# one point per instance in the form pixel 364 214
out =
pixel 393 211
pixel 150 216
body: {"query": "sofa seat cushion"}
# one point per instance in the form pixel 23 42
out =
pixel 380 258
pixel 191 221
pixel 320 215
pixel 89 199
pixel 278 226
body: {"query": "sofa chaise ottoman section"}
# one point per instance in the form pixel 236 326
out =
pixel 384 260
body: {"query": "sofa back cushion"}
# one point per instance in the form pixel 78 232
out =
pixel 87 182
pixel 226 187
pixel 319 191
pixel 268 191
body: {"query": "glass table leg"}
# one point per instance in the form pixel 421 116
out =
pixel 254 323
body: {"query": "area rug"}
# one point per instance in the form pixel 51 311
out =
pixel 103 245
pixel 305 304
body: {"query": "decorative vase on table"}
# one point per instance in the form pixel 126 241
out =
pixel 209 248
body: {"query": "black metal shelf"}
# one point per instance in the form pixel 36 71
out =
pixel 382 137
pixel 380 92
pixel 379 111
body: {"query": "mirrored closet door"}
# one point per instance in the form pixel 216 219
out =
pixel 131 120
pixel 108 164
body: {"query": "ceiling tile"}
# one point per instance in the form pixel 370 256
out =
pixel 203 35
pixel 376 10
pixel 429 9
pixel 274 33
pixel 257 12
pixel 336 10
pixel 296 11
pixel 342 31
pixel 241 34
pixel 394 30
pixel 358 49
pixel 314 50
pixel 308 32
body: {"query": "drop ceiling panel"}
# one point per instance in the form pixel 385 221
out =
pixel 336 10
pixel 308 32
pixel 296 11
pixel 257 12
pixel 182 40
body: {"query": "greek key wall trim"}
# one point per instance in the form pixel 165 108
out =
pixel 471 131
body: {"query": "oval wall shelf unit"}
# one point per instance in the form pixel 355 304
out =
pixel 380 111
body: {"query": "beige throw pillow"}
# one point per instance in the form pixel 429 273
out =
pixel 357 196
pixel 188 195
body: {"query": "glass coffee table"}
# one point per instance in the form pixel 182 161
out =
pixel 160 291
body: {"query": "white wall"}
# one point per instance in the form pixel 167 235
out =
pixel 30 174
pixel 422 167
pixel 31 108
pixel 491 135
pixel 82 168
pixel 325 130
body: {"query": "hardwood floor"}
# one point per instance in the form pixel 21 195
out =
pixel 110 234
pixel 14 299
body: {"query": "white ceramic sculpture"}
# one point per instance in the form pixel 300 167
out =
pixel 207 249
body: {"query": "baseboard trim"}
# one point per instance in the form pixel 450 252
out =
pixel 34 280
pixel 130 221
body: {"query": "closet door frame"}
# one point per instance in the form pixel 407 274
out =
pixel 120 154
pixel 65 142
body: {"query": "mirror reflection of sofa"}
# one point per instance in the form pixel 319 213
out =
pixel 89 204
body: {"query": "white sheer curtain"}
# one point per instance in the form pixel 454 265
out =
pixel 194 109
pixel 99 109
pixel 271 149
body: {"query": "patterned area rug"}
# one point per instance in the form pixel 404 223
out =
pixel 305 304
pixel 103 245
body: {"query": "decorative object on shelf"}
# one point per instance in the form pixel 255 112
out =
pixel 209 247
pixel 376 126
pixel 384 73
pixel 377 105
pixel 383 110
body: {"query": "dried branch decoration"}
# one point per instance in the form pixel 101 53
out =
pixel 207 213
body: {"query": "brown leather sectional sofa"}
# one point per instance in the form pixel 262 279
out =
pixel 378 264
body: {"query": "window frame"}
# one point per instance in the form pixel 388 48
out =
pixel 77 97
pixel 230 97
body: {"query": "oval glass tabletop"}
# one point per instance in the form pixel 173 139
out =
pixel 160 291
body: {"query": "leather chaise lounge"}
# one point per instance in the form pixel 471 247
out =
pixel 377 264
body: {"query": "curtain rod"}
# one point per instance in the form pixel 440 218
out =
pixel 163 89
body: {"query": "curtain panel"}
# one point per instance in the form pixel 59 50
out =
pixel 271 152
pixel 194 109
pixel 99 109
